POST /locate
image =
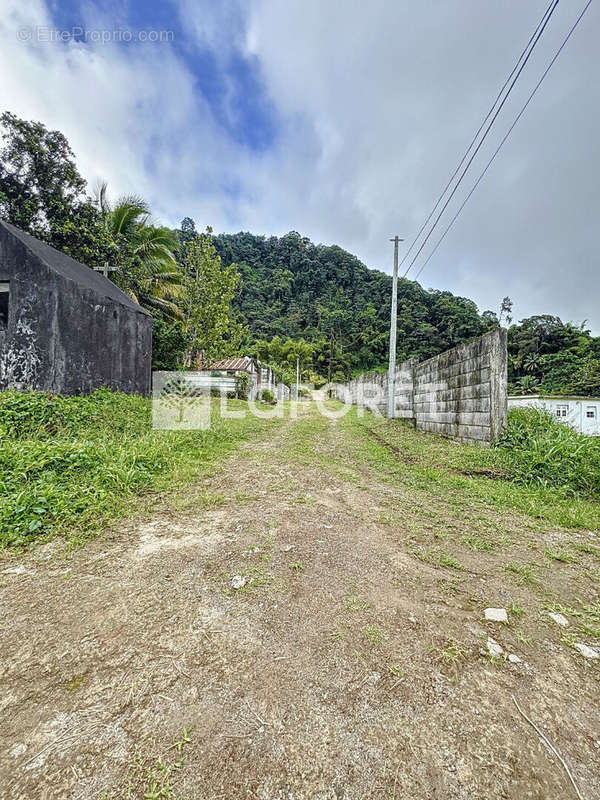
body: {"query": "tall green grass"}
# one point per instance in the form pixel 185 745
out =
pixel 72 464
pixel 539 450
pixel 539 468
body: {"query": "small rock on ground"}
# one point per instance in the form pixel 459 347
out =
pixel 20 570
pixel 238 581
pixel 586 652
pixel 514 659
pixel 496 614
pixel 559 619
pixel 494 649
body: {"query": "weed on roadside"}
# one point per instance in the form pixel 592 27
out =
pixel 356 603
pixel 151 777
pixel 375 635
pixel 527 573
pixel 559 555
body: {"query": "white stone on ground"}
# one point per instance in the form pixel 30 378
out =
pixel 586 652
pixel 494 649
pixel 20 570
pixel 559 619
pixel 514 659
pixel 238 581
pixel 496 614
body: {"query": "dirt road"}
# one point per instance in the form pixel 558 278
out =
pixel 345 666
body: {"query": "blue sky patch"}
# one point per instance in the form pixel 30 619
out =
pixel 230 82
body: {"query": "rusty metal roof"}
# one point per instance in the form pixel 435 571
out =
pixel 232 364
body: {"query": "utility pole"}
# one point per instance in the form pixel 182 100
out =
pixel 394 314
pixel 297 378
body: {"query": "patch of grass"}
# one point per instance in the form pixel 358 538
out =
pixel 70 465
pixel 467 478
pixel 523 638
pixel 527 573
pixel 75 683
pixel 245 496
pixel 441 559
pixel 256 578
pixel 151 777
pixel 395 670
pixel 559 555
pixel 297 566
pixel 541 451
pixel 446 560
pixel 356 603
pixel 451 651
pixel 390 518
pixel 590 549
pixel 475 542
pixel 516 611
pixel 375 635
pixel 588 616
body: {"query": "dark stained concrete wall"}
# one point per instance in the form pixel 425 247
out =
pixel 65 337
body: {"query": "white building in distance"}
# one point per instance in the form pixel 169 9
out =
pixel 581 413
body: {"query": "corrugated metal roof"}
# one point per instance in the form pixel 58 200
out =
pixel 231 364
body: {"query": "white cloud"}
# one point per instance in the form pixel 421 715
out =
pixel 374 106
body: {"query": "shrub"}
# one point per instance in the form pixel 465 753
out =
pixel 540 450
pixel 70 464
pixel 267 396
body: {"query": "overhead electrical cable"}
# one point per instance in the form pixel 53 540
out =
pixel 507 134
pixel 474 139
pixel 485 133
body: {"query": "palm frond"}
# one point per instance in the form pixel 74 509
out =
pixel 168 308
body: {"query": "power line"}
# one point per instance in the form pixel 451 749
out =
pixel 509 131
pixel 483 138
pixel 474 139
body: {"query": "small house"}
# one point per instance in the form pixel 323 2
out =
pixel 64 327
pixel 231 368
pixel 580 413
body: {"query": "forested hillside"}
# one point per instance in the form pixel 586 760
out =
pixel 292 288
pixel 277 298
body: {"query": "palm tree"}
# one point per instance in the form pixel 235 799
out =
pixel 532 363
pixel 157 281
pixel 528 384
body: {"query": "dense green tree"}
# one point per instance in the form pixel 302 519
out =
pixel 283 355
pixel 42 192
pixel 527 384
pixel 559 357
pixel 209 288
pixel 169 342
pixel 275 296
pixel 39 181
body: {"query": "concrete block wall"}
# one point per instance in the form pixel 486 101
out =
pixel 461 394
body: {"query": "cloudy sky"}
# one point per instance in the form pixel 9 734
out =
pixel 340 119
